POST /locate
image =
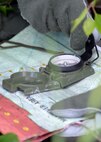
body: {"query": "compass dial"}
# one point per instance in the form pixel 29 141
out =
pixel 65 62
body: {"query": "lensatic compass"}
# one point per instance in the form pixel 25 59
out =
pixel 61 71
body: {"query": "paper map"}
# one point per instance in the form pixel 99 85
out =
pixel 28 59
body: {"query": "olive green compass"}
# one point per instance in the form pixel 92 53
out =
pixel 61 71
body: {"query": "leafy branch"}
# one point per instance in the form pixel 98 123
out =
pixel 89 24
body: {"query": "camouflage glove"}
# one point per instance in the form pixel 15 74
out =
pixel 55 15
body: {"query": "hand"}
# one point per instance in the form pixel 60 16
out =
pixel 55 15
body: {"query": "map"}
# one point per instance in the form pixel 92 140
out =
pixel 28 59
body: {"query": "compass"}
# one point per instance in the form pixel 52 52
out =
pixel 61 71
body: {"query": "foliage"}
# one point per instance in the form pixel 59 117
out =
pixel 89 25
pixel 10 137
pixel 5 6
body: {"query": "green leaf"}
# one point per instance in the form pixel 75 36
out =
pixel 89 137
pixel 10 137
pixel 88 26
pixel 79 19
pixel 98 21
pixel 3 9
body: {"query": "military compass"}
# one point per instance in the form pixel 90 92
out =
pixel 61 71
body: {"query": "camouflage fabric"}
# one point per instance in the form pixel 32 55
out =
pixel 55 15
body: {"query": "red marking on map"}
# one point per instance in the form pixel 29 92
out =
pixel 15 119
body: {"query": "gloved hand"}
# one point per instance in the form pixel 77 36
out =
pixel 55 15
